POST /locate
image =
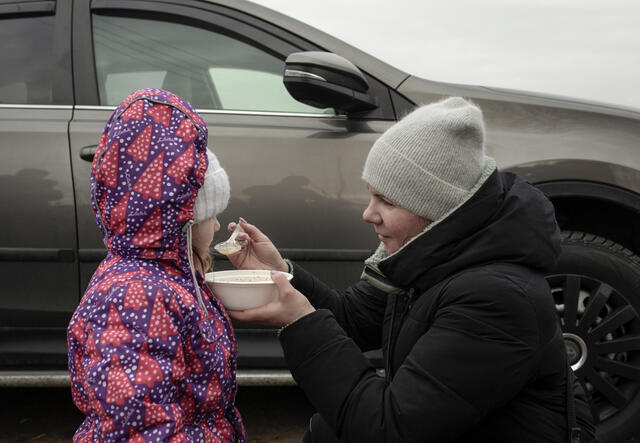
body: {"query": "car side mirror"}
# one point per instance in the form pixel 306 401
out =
pixel 326 80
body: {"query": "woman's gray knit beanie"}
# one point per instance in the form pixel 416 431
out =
pixel 432 160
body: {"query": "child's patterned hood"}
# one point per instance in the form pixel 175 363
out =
pixel 148 167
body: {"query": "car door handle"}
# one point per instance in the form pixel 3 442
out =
pixel 88 152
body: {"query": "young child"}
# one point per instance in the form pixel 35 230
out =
pixel 152 354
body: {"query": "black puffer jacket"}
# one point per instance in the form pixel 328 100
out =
pixel 472 345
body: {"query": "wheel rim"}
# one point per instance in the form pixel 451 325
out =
pixel 577 350
pixel 602 337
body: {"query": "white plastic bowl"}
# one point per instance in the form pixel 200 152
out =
pixel 243 289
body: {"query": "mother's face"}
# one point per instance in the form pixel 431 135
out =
pixel 394 225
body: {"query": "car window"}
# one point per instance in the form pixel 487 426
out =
pixel 27 61
pixel 210 69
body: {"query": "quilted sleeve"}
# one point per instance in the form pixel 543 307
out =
pixel 359 309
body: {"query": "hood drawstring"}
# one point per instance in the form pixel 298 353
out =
pixel 186 229
pixel 94 198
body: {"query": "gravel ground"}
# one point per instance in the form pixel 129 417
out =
pixel 46 415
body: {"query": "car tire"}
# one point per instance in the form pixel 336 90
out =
pixel 596 288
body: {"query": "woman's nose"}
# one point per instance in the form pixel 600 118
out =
pixel 370 215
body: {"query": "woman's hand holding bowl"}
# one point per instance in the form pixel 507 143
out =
pixel 289 305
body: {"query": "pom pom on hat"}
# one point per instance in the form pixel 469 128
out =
pixel 433 160
pixel 214 194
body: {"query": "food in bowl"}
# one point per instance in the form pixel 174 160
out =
pixel 243 289
pixel 244 279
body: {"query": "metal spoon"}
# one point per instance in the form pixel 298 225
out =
pixel 230 246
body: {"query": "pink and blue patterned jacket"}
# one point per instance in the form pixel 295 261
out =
pixel 151 359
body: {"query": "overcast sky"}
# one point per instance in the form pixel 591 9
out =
pixel 580 48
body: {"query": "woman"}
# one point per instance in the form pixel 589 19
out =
pixel 152 354
pixel 455 297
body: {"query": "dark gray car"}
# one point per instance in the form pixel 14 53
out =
pixel 294 165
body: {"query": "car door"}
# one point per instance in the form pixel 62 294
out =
pixel 294 169
pixel 38 264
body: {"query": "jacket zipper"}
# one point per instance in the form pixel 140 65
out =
pixel 387 366
pixel 392 340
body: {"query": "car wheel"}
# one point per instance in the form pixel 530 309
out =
pixel 596 287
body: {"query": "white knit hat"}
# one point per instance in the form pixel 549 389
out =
pixel 433 160
pixel 214 194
